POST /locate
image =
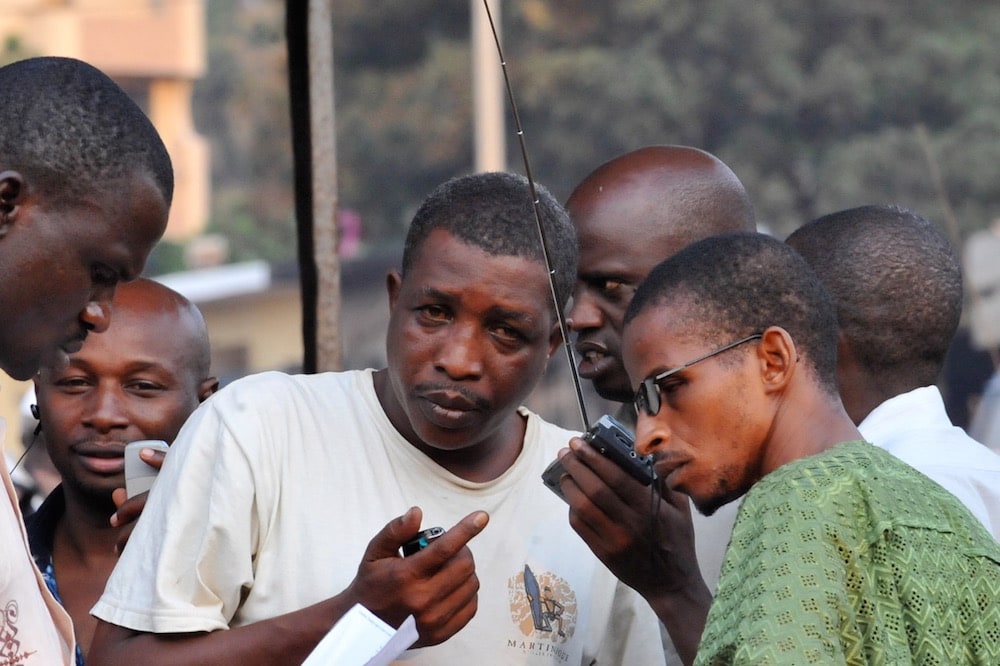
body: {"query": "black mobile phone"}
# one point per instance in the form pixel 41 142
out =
pixel 614 441
pixel 421 541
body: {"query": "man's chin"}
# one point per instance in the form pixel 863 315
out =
pixel 613 391
pixel 21 369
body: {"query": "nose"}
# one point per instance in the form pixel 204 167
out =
pixel 650 434
pixel 107 412
pixel 584 312
pixel 96 314
pixel 459 355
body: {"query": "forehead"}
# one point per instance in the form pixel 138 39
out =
pixel 662 336
pixel 160 337
pixel 624 228
pixel 449 265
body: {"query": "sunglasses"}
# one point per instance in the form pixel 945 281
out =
pixel 647 398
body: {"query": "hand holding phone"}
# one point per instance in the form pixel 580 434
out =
pixel 139 475
pixel 421 541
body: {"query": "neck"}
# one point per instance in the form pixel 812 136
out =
pixel 806 426
pixel 84 530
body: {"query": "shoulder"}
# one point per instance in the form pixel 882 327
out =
pixel 549 435
pixel 277 391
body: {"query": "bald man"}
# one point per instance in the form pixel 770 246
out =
pixel 630 214
pixel 139 379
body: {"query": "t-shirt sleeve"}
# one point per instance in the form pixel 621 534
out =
pixel 782 597
pixel 191 554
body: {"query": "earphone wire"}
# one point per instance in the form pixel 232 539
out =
pixel 563 328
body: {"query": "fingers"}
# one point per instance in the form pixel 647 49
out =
pixel 128 508
pixel 594 482
pixel 446 547
pixel 152 457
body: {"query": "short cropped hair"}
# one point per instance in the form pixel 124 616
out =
pixel 897 284
pixel 494 212
pixel 736 285
pixel 69 128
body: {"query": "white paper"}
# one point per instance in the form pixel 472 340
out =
pixel 361 639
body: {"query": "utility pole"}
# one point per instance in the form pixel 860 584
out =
pixel 310 73
pixel 487 90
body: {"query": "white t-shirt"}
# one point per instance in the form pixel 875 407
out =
pixel 276 485
pixel 34 628
pixel 915 428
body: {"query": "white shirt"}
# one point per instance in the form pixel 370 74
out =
pixel 275 486
pixel 915 428
pixel 34 628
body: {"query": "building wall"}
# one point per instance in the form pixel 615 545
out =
pixel 155 48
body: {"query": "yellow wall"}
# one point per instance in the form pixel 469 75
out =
pixel 160 45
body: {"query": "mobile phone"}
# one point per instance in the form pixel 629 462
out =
pixel 615 442
pixel 139 475
pixel 421 541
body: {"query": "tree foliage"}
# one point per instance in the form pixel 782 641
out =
pixel 815 105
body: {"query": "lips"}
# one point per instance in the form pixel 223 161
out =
pixel 451 410
pixel 74 343
pixel 102 458
pixel 667 470
pixel 594 359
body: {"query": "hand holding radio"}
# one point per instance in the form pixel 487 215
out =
pixel 646 540
pixel 612 440
pixel 436 583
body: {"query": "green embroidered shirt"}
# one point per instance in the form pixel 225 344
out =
pixel 853 557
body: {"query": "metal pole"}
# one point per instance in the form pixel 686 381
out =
pixel 487 91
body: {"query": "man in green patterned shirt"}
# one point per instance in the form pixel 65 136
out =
pixel 841 553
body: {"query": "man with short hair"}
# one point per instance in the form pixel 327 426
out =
pixel 271 491
pixel 631 213
pixel 841 553
pixel 897 285
pixel 85 185
pixel 138 380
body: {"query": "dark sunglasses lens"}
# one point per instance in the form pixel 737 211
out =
pixel 647 399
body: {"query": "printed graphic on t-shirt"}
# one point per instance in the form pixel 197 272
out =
pixel 10 647
pixel 543 607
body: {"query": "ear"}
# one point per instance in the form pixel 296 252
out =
pixel 207 387
pixel 778 359
pixel 555 339
pixel 393 283
pixel 12 192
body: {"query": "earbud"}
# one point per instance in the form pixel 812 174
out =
pixel 34 412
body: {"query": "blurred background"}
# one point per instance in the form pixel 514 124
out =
pixel 817 106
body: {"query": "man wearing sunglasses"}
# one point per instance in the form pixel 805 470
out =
pixel 841 553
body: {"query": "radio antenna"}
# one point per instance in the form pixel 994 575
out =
pixel 563 328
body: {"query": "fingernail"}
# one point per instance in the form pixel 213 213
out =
pixel 576 444
pixel 480 520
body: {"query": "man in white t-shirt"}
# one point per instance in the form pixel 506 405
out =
pixel 897 285
pixel 285 500
pixel 85 185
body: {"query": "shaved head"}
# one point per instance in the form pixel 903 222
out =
pixel 631 213
pixel 157 306
pixel 669 194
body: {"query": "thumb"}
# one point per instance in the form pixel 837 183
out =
pixel 395 533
